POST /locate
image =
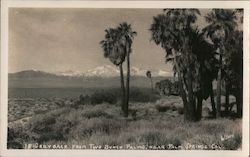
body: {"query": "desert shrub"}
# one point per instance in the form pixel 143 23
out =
pixel 180 132
pixel 212 126
pixel 173 108
pixel 126 137
pixel 97 97
pixel 180 110
pixel 69 121
pixel 161 108
pixel 232 143
pixel 97 113
pixel 154 138
pixel 43 127
pixel 50 136
pixel 42 124
pixel 101 97
pixel 92 126
pixel 163 105
pixel 82 100
pixel 16 138
pixel 142 95
pixel 63 126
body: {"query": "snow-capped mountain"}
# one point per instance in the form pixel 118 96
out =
pixel 164 73
pixel 70 73
pixel 137 71
pixel 102 71
pixel 112 71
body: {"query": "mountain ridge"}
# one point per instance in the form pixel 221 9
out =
pixel 100 71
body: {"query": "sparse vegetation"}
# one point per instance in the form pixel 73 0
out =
pixel 102 124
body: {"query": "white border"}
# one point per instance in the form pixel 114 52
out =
pixel 120 4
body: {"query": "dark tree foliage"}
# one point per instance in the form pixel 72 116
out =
pixel 190 53
pixel 221 31
pixel 221 23
pixel 233 69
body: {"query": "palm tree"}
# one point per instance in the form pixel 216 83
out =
pixel 172 31
pixel 221 23
pixel 234 69
pixel 117 47
pixel 126 39
pixel 207 71
pixel 149 75
pixel 113 50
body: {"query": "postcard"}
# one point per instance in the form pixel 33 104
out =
pixel 124 78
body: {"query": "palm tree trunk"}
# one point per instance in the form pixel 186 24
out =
pixel 199 106
pixel 212 99
pixel 152 85
pixel 191 105
pixel 122 89
pixel 183 95
pixel 127 85
pixel 218 93
pixel 227 97
pixel 239 100
pixel 190 114
pixel 181 85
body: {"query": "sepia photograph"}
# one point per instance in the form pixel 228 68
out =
pixel 138 79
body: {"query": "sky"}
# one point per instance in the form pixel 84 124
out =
pixel 65 39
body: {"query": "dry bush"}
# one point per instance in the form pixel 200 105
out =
pixel 154 138
pixel 142 95
pixel 89 127
pixel 162 108
pixel 97 111
pixel 16 138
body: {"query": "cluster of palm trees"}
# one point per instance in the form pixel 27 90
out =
pixel 201 56
pixel 198 56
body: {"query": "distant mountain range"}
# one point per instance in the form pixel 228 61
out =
pixel 99 77
pixel 31 74
pixel 100 71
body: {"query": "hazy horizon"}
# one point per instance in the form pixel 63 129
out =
pixel 52 40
